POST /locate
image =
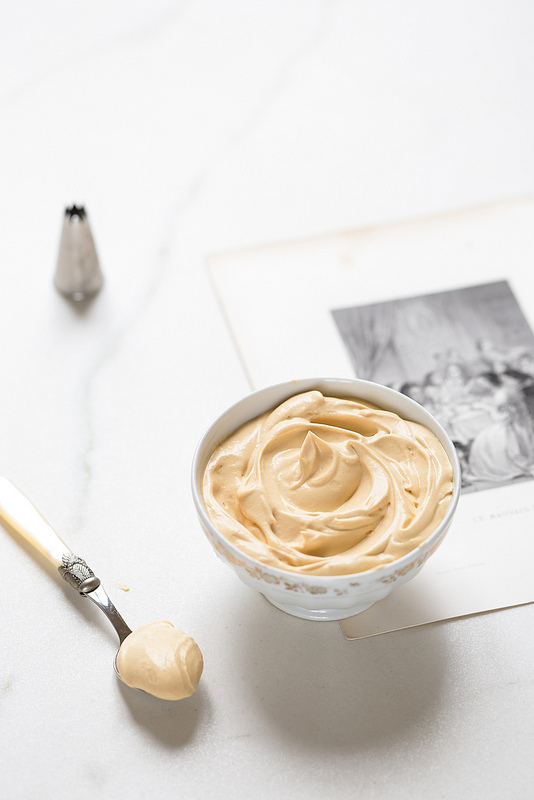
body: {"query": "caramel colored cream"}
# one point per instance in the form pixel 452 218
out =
pixel 161 660
pixel 328 486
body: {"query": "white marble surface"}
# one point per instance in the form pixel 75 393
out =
pixel 188 128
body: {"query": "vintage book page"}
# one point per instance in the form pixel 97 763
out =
pixel 443 310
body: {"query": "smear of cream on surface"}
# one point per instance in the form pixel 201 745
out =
pixel 328 486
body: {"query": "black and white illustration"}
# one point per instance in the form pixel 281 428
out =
pixel 467 355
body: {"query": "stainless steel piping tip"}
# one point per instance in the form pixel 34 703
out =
pixel 78 275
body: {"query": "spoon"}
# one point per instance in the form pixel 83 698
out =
pixel 158 658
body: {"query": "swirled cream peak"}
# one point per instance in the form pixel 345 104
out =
pixel 328 486
pixel 161 660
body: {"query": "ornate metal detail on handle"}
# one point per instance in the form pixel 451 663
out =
pixel 78 574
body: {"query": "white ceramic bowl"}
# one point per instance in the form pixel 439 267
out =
pixel 329 597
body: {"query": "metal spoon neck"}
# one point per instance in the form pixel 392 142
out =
pixel 81 577
pixel 101 599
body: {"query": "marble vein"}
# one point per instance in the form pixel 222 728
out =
pixel 281 77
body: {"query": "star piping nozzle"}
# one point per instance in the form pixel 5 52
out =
pixel 78 275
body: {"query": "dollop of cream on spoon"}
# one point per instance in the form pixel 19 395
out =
pixel 161 660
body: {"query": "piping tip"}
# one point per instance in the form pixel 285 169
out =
pixel 78 276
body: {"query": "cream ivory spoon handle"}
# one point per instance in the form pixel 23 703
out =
pixel 22 516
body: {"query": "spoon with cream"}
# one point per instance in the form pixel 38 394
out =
pixel 157 657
